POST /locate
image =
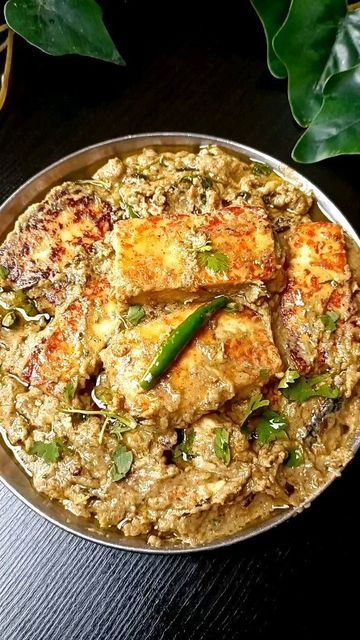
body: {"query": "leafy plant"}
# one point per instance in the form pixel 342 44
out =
pixel 57 27
pixel 122 461
pixel 316 45
pixel 271 426
pixel 221 445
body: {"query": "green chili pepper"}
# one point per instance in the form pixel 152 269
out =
pixel 178 340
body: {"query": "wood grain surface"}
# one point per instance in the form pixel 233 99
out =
pixel 191 67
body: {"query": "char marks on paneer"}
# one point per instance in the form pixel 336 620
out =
pixel 179 345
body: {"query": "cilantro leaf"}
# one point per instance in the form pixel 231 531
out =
pixel 49 451
pixel 256 402
pixel 135 314
pixel 214 261
pixel 122 461
pixel 118 426
pixel 289 378
pixel 69 391
pixel 221 445
pixel 261 169
pixel 271 426
pixel 4 272
pixel 184 449
pixel 329 320
pixel 304 388
pixel 295 457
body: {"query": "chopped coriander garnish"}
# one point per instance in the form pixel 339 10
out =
pixel 129 210
pixel 264 374
pixel 4 272
pixel 50 452
pixel 122 461
pixel 295 457
pixel 128 421
pixel 102 394
pixel 96 183
pixel 214 261
pixel 206 182
pixel 329 320
pixel 184 449
pixel 135 314
pixel 221 445
pixel 9 319
pixel 232 307
pixel 256 402
pixel 304 388
pixel 69 391
pixel 261 169
pixel 271 426
pixel 289 378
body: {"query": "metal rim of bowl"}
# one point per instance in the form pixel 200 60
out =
pixel 11 474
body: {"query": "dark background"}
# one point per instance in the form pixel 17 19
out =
pixel 190 67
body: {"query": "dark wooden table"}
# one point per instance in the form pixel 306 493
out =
pixel 187 71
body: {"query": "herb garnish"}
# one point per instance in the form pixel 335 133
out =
pixel 271 426
pixel 329 320
pixel 135 314
pixel 215 261
pixel 4 272
pixel 289 378
pixel 9 319
pixel 221 445
pixel 128 208
pixel 69 391
pixel 261 169
pixel 295 457
pixel 122 461
pixel 256 402
pixel 96 183
pixel 304 388
pixel 184 449
pixel 50 452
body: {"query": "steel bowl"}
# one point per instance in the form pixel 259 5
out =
pixel 82 164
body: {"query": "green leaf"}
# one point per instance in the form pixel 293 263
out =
pixel 329 320
pixel 69 391
pixel 271 426
pixel 304 44
pixel 272 14
pixel 345 53
pixel 59 27
pixel 122 461
pixel 336 128
pixel 131 213
pixel 261 169
pixel 118 426
pixel 49 451
pixel 4 272
pixel 221 445
pixel 304 388
pixel 214 261
pixel 184 449
pixel 290 376
pixel 135 314
pixel 256 402
pixel 295 458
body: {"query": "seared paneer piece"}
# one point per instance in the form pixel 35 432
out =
pixel 66 352
pixel 316 305
pixel 52 233
pixel 186 256
pixel 233 354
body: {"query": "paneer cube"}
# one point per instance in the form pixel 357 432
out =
pixel 165 259
pixel 67 350
pixel 318 283
pixel 232 355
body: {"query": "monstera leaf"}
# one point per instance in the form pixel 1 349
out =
pixel 63 26
pixel 318 46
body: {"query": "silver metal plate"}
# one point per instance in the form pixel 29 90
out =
pixel 82 164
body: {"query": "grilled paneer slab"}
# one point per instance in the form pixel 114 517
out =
pixel 318 289
pixel 66 352
pixel 181 257
pixel 232 355
pixel 52 233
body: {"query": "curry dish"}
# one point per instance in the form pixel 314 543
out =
pixel 179 345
